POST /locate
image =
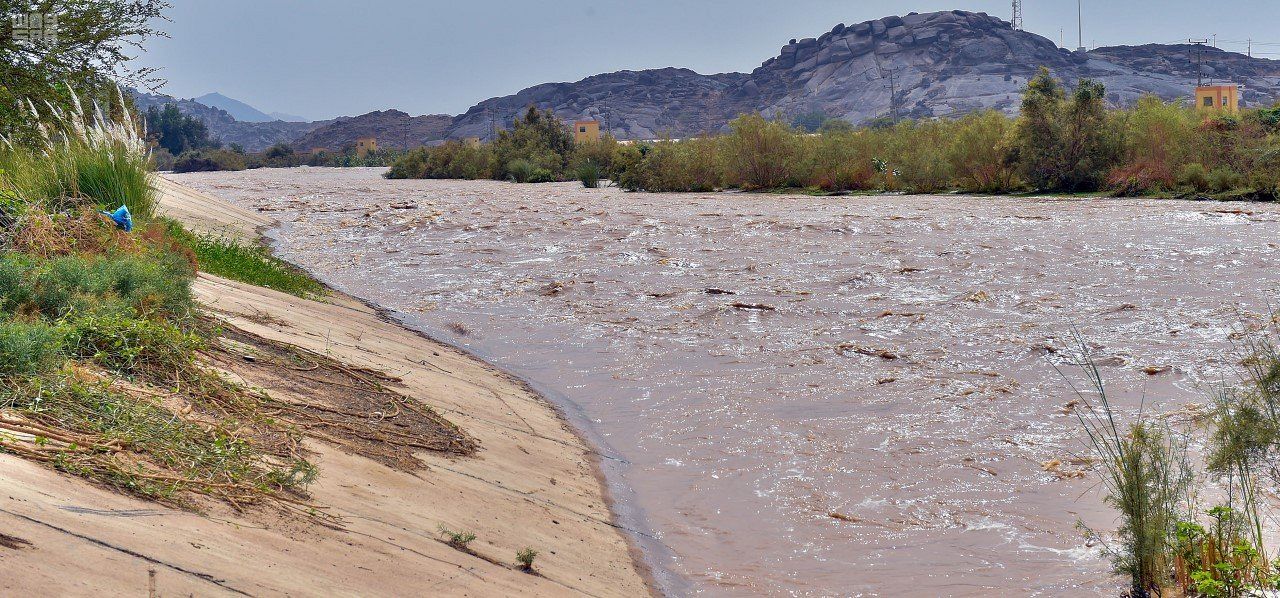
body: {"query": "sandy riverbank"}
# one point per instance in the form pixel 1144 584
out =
pixel 533 483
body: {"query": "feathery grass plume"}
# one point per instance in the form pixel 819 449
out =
pixel 84 159
pixel 1147 478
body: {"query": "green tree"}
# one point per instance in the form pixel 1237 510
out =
pixel 759 153
pixel 537 142
pixel 175 131
pixel 1064 144
pixel 90 54
pixel 1039 131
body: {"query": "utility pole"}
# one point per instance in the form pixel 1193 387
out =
pixel 1199 49
pixel 1016 21
pixel 893 92
pixel 1251 47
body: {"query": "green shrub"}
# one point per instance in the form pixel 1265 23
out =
pixel 1146 476
pixel 1064 144
pixel 1193 175
pixel 589 174
pixel 539 139
pixel 13 290
pixel 412 165
pixel 28 349
pixel 978 151
pixel 758 153
pixel 155 285
pixel 252 264
pixel 133 346
pixel 209 160
pixel 840 161
pixel 520 170
pixel 688 165
pixel 1223 179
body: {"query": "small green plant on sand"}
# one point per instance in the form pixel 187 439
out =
pixel 525 558
pixel 458 540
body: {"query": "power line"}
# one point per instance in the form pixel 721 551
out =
pixel 1199 50
pixel 893 92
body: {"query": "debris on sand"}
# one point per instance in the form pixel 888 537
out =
pixel 354 408
pixel 977 297
pixel 716 291
pixel 753 306
pixel 843 517
pixel 1153 370
pixel 12 542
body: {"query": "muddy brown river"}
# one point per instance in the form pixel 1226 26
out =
pixel 808 396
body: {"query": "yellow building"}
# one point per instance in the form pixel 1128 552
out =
pixel 471 141
pixel 364 145
pixel 586 130
pixel 1222 98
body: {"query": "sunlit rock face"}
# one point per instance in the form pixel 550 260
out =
pixel 942 64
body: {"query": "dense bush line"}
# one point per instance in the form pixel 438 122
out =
pixel 1065 140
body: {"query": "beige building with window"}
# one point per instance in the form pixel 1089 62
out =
pixel 586 130
pixel 1221 98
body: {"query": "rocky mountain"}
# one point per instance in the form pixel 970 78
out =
pixel 285 116
pixel 237 109
pixel 921 65
pixel 392 128
pixel 631 104
pixel 934 64
pixel 253 136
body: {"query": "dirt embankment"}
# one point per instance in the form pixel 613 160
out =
pixel 514 474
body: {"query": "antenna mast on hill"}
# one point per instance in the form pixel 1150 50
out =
pixel 1016 21
pixel 1080 24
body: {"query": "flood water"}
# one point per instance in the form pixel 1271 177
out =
pixel 800 395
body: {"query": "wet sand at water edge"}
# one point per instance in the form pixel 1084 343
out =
pixel 801 395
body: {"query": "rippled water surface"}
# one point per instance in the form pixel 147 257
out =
pixel 800 395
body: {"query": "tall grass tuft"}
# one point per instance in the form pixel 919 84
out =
pixel 85 158
pixel 589 174
pixel 1147 478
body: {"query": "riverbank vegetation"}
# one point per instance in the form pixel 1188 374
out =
pixel 245 262
pixel 182 144
pixel 100 338
pixel 1064 141
pixel 1200 531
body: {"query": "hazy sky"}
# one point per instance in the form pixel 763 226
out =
pixel 324 58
